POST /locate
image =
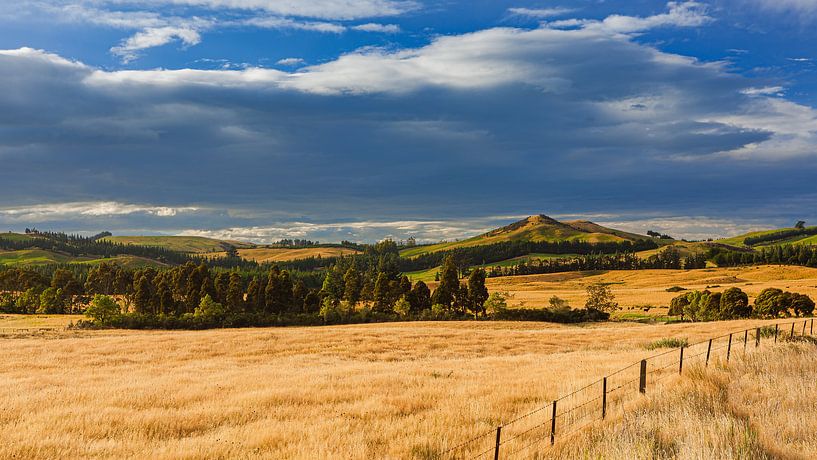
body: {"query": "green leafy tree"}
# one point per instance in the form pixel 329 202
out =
pixel 734 303
pixel 449 284
pixel 209 309
pixel 477 292
pixel 51 302
pixel 419 297
pixel 235 293
pixel 678 305
pixel 497 303
pixel 142 295
pixel 332 288
pixel 600 297
pixel 802 304
pixel 402 307
pixel 102 309
pixel 382 293
pixel 767 303
pixel 353 284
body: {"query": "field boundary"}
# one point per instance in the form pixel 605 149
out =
pixel 598 400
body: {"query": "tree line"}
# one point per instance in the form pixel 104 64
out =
pixel 780 235
pixel 791 254
pixel 733 303
pixel 667 258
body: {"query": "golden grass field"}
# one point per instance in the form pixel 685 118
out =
pixel 648 287
pixel 398 390
pixel 760 407
pixel 262 255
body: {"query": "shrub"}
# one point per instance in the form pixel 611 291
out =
pixel 600 297
pixel 402 307
pixel 209 309
pixel 677 305
pixel 667 342
pixel 102 309
pixel 497 303
pixel 676 289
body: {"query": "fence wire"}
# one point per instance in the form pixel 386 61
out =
pixel 540 428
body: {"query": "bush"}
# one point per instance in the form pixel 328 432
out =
pixel 600 297
pixel 767 303
pixel 497 303
pixel 402 307
pixel 671 342
pixel 209 310
pixel 676 289
pixel 102 309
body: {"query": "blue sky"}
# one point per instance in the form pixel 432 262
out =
pixel 363 119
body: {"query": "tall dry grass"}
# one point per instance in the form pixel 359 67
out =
pixel 761 406
pixel 401 390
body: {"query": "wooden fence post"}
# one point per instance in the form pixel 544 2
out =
pixel 553 425
pixel 681 361
pixel 498 443
pixel 792 331
pixel 775 332
pixel 729 348
pixel 604 398
pixel 708 350
pixel 811 330
pixel 745 339
pixel 642 383
pixel 757 337
pixel 804 329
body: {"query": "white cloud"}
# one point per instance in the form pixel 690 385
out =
pixel 153 37
pixel 274 22
pixel 382 28
pixel 77 210
pixel 290 61
pixel 541 12
pixel 679 14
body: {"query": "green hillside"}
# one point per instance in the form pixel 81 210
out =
pixel 538 228
pixel 188 244
pixel 43 257
pixel 807 237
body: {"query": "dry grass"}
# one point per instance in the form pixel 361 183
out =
pixel 762 407
pixel 648 287
pixel 285 255
pixel 399 390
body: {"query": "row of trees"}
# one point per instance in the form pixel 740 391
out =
pixel 667 258
pixel 733 303
pixel 800 230
pixel 790 254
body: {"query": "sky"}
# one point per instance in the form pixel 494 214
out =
pixel 368 119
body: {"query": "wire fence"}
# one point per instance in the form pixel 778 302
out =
pixel 541 427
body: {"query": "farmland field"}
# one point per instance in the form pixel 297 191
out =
pixel 286 254
pixel 637 289
pixel 398 390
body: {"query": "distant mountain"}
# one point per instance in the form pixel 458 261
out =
pixel 539 228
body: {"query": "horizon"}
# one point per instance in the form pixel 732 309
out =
pixel 373 119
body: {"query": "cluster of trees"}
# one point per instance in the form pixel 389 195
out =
pixel 667 258
pixel 799 230
pixel 661 236
pixel 482 255
pixel 375 280
pixel 733 303
pixel 790 254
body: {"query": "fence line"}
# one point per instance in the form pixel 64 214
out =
pixel 595 401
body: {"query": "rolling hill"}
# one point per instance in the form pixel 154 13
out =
pixel 791 235
pixel 188 244
pixel 539 228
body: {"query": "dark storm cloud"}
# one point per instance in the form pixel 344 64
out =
pixel 494 122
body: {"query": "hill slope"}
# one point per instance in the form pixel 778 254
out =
pixel 791 235
pixel 188 244
pixel 539 228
